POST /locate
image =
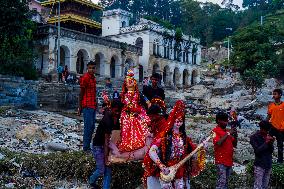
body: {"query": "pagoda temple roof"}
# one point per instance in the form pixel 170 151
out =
pixel 75 18
pixel 84 2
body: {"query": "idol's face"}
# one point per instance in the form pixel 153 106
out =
pixel 178 123
pixel 130 82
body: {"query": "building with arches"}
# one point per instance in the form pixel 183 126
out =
pixel 176 59
pixel 80 41
pixel 115 46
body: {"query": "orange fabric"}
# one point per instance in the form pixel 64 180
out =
pixel 276 113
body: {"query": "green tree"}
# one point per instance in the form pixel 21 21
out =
pixel 254 77
pixel 268 68
pixel 253 44
pixel 16 32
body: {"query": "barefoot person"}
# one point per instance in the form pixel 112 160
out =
pixel 276 118
pixel 87 104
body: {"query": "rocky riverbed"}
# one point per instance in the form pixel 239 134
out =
pixel 43 132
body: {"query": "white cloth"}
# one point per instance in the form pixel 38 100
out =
pixel 155 183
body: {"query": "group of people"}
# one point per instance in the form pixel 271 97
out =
pixel 64 76
pixel 147 133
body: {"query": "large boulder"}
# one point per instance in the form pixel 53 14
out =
pixel 224 86
pixel 198 92
pixel 57 146
pixel 270 83
pixel 32 132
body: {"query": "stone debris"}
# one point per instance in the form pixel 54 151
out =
pixel 32 132
pixel 39 131
pixel 2 156
pixel 42 132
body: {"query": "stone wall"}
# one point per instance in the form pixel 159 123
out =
pixel 18 92
pixel 58 96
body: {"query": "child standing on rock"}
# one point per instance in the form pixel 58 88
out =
pixel 276 118
pixel 224 142
pixel 262 144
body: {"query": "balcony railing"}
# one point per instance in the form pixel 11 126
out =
pixel 75 35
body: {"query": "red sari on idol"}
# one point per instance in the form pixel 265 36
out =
pixel 134 123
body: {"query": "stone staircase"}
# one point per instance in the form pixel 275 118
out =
pixel 53 96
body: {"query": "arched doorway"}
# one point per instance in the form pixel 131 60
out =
pixel 185 76
pixel 176 76
pixel 112 67
pixel 99 59
pixel 65 56
pixel 141 71
pixel 123 24
pixel 62 57
pixel 139 43
pixel 194 77
pixel 82 59
pixel 155 68
pixel 166 74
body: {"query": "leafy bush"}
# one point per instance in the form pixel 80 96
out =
pixel 268 68
pixel 70 166
pixel 254 78
pixel 78 166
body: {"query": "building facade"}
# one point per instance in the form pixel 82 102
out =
pixel 176 58
pixel 115 45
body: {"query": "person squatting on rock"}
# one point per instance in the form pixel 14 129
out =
pixel 109 122
pixel 262 144
pixel 224 142
pixel 87 104
pixel 169 148
pixel 276 118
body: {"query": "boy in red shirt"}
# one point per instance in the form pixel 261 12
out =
pixel 224 143
pixel 276 118
pixel 87 104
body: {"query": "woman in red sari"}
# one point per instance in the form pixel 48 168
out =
pixel 168 148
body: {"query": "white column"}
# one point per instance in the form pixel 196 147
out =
pixel 51 55
pixel 107 68
pixel 73 61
